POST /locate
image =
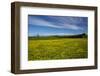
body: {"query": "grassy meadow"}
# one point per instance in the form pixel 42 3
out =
pixel 57 48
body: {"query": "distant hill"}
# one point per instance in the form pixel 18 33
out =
pixel 83 35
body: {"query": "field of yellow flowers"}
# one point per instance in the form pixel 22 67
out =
pixel 53 49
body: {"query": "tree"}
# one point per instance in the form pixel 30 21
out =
pixel 38 36
pixel 84 35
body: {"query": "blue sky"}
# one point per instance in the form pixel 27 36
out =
pixel 56 25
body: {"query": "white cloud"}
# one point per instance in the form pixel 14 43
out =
pixel 60 34
pixel 62 25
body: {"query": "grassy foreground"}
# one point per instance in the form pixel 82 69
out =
pixel 51 49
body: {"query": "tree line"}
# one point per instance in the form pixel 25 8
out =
pixel 83 35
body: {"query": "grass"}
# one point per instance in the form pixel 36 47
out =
pixel 59 48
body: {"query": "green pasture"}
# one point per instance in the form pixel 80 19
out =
pixel 58 48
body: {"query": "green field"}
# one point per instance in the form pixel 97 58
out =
pixel 58 48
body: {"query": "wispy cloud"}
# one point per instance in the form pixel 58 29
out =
pixel 55 22
pixel 60 34
pixel 42 22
